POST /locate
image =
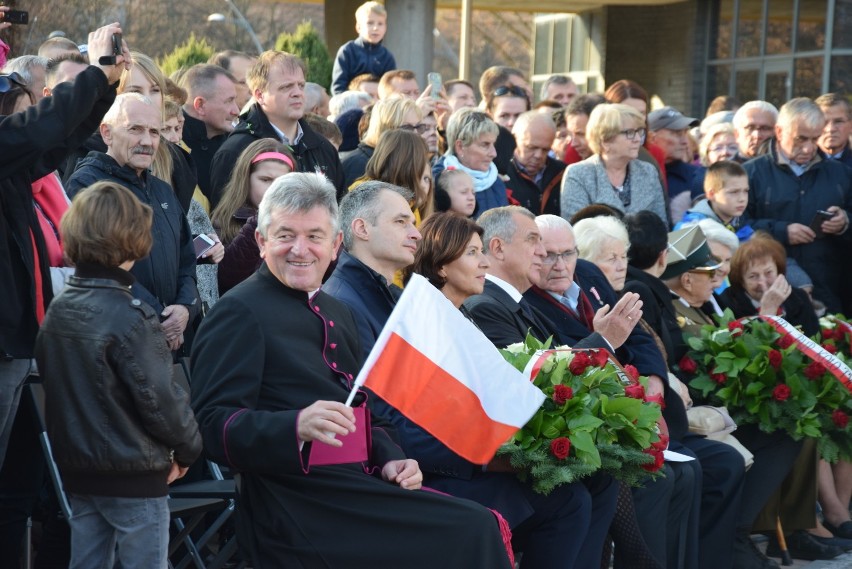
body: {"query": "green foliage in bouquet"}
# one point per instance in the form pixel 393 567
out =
pixel 763 379
pixel 590 421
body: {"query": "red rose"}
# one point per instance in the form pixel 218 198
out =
pixel 636 391
pixel 830 334
pixel 562 393
pixel 600 358
pixel 661 444
pixel 775 359
pixel 631 372
pixel 840 419
pixel 658 460
pixel 560 447
pixel 579 363
pixel 719 378
pixel 785 341
pixel 658 399
pixel 815 370
pixel 687 365
pixel 735 327
pixel 830 348
pixel 781 392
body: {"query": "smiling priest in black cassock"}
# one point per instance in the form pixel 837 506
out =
pixel 271 365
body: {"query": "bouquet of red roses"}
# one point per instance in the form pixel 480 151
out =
pixel 595 417
pixel 763 376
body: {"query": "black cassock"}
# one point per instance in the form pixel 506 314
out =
pixel 265 352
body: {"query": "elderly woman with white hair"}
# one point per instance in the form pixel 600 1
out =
pixel 614 175
pixel 471 135
pixel 604 241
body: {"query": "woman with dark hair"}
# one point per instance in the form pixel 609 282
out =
pixel 235 217
pixel 401 157
pixel 451 256
pixel 758 285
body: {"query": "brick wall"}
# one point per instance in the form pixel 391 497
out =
pixel 656 47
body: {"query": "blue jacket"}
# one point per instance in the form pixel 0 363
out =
pixel 777 198
pixel 367 294
pixel 167 275
pixel 492 197
pixel 356 57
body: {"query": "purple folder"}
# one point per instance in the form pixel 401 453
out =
pixel 355 445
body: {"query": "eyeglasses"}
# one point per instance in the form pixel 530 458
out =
pixel 509 90
pixel 731 148
pixel 632 133
pixel 551 258
pixel 9 81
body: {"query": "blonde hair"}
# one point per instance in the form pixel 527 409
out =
pixel 720 129
pixel 163 166
pixel 388 114
pixel 606 122
pixel 364 10
pixel 257 77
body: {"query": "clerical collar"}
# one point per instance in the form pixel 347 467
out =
pixel 570 297
pixel 509 289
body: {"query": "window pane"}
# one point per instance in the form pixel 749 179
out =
pixel 811 33
pixel 746 86
pixel 808 82
pixel 840 79
pixel 749 29
pixel 779 33
pixel 722 30
pixel 842 23
pixel 543 31
pixel 718 81
pixel 561 38
pixel 775 85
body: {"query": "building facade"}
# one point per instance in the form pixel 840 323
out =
pixel 689 52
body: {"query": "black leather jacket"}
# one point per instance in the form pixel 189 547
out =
pixel 115 418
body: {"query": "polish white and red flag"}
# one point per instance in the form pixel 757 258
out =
pixel 441 372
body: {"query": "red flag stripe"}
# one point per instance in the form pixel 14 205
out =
pixel 434 400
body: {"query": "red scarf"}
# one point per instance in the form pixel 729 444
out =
pixel 49 203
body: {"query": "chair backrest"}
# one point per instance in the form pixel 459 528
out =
pixel 36 396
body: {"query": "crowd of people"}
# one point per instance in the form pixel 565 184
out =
pixel 238 216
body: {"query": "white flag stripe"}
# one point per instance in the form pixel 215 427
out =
pixel 430 323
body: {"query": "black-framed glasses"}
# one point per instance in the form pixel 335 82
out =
pixel 551 258
pixel 632 133
pixel 10 80
pixel 509 90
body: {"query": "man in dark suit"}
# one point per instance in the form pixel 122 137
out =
pixel 513 245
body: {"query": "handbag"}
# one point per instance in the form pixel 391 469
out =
pixel 716 424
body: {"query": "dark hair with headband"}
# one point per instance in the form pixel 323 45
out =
pixel 237 191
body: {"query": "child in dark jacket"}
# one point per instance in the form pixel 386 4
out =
pixel 364 54
pixel 121 428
